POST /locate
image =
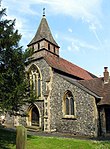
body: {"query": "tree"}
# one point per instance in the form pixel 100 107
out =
pixel 13 82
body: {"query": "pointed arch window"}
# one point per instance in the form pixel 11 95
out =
pixel 69 104
pixel 34 80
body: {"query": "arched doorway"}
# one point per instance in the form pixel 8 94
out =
pixel 34 116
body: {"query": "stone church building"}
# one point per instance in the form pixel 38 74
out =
pixel 69 98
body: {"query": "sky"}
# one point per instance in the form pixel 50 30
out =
pixel 80 27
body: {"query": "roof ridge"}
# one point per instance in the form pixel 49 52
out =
pixel 92 79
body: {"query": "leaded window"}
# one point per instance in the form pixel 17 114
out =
pixel 34 80
pixel 68 103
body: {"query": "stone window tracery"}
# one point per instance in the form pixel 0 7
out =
pixel 69 103
pixel 35 80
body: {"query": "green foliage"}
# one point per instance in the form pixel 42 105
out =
pixel 13 82
pixel 8 139
pixel 28 54
pixel 21 137
pixel 37 142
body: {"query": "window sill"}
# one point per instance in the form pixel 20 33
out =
pixel 46 117
pixel 73 117
pixel 39 98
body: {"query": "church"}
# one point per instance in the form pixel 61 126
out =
pixel 69 98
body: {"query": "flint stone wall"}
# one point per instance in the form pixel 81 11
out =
pixel 85 121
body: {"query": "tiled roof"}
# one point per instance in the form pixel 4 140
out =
pixel 67 67
pixel 94 85
pixel 89 81
pixel 98 87
pixel 43 32
pixel 76 83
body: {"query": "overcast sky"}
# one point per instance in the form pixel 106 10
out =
pixel 80 27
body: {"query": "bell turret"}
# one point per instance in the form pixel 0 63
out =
pixel 43 39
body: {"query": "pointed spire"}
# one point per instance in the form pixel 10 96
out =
pixel 43 32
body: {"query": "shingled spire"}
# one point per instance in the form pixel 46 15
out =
pixel 43 38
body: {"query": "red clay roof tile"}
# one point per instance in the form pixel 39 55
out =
pixel 98 87
pixel 67 67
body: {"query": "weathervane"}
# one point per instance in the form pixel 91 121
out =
pixel 43 11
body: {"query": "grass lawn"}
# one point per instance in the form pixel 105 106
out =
pixel 7 141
